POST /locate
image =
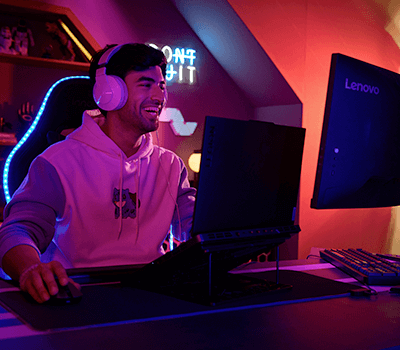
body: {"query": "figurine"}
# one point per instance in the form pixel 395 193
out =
pixel 4 124
pixel 22 37
pixel 26 116
pixel 65 44
pixel 6 41
pixel 47 51
pixel 26 113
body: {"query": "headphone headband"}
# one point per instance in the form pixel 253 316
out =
pixel 109 92
pixel 105 57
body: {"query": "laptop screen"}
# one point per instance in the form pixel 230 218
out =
pixel 249 175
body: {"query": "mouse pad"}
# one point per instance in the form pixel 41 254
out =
pixel 113 303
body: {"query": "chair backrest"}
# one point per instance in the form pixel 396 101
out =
pixel 62 108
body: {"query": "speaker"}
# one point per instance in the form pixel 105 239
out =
pixel 109 92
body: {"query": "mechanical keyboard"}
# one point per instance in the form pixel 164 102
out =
pixel 366 267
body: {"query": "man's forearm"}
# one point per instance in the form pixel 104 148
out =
pixel 18 259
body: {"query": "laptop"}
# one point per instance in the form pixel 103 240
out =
pixel 245 205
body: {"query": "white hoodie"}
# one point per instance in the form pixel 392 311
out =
pixel 71 197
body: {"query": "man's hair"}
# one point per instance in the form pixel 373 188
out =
pixel 130 57
pixel 137 57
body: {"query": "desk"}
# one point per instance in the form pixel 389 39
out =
pixel 338 323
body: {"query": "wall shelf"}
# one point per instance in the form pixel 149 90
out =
pixel 37 14
pixel 44 62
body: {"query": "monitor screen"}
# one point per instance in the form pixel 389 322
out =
pixel 249 175
pixel 359 156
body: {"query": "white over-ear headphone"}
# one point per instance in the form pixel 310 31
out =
pixel 109 92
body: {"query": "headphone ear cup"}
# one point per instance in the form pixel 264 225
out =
pixel 110 92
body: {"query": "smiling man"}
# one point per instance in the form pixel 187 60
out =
pixel 106 195
pixel 147 95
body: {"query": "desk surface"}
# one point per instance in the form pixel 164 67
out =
pixel 337 323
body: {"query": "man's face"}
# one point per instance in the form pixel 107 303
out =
pixel 147 95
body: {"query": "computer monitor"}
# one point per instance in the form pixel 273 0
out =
pixel 359 156
pixel 245 205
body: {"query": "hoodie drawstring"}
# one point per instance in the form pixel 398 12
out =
pixel 121 158
pixel 137 198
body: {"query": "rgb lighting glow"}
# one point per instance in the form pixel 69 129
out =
pixel 178 124
pixel 28 133
pixel 171 239
pixel 75 40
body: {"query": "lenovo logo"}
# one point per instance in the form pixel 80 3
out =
pixel 361 87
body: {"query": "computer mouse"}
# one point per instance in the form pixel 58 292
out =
pixel 68 294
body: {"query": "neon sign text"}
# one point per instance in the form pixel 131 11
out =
pixel 180 68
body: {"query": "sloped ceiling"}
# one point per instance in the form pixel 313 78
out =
pixel 238 52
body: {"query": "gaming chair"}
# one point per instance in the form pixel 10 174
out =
pixel 62 108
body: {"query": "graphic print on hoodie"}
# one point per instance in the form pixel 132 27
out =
pixel 128 204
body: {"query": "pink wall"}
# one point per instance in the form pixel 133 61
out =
pixel 300 37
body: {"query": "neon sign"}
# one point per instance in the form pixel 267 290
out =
pixel 180 68
pixel 178 124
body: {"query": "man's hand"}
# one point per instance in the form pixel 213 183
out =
pixel 39 281
pixel 22 263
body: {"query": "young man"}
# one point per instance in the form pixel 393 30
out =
pixel 106 195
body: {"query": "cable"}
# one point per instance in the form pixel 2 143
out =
pixel 168 186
